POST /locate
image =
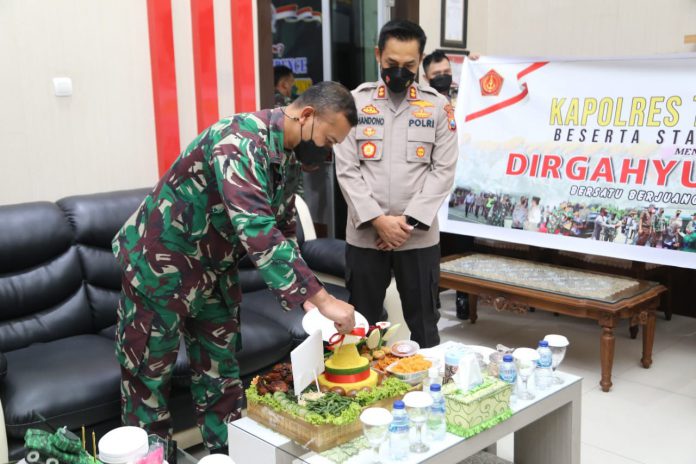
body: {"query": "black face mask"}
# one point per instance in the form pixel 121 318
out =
pixel 307 152
pixel 397 79
pixel 441 83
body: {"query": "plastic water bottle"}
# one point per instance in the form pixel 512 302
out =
pixel 398 432
pixel 432 378
pixel 507 371
pixel 437 426
pixel 544 373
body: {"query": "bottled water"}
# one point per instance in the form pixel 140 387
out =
pixel 437 426
pixel 398 432
pixel 432 378
pixel 507 371
pixel 544 373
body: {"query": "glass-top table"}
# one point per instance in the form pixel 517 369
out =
pixel 553 414
pixel 517 285
pixel 549 278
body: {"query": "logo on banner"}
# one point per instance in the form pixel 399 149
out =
pixel 369 150
pixel 420 112
pixel 491 83
pixel 369 131
pixel 420 152
pixel 370 109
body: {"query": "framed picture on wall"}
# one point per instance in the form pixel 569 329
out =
pixel 453 23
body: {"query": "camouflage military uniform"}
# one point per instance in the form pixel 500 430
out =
pixel 230 193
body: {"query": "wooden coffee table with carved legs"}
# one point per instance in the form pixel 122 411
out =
pixel 516 285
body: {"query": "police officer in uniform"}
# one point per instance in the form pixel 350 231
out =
pixel 395 169
pixel 229 194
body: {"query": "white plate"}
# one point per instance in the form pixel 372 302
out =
pixel 314 320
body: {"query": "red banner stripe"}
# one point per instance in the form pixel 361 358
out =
pixel 512 100
pixel 335 378
pixel 204 63
pixel 159 22
pixel 243 56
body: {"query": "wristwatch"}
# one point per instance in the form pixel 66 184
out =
pixel 412 221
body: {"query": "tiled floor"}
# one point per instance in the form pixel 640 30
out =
pixel 649 417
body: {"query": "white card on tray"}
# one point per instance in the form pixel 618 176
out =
pixel 307 361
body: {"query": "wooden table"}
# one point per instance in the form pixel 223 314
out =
pixel 515 285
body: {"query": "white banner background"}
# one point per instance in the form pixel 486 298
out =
pixel 527 121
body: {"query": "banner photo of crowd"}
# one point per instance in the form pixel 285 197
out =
pixel 592 156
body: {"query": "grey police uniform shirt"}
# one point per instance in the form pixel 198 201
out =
pixel 397 161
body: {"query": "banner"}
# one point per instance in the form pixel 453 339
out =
pixel 588 155
pixel 297 40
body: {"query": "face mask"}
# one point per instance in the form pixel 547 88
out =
pixel 441 83
pixel 308 152
pixel 397 79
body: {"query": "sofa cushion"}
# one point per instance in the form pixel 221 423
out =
pixel 326 255
pixel 71 381
pixel 31 234
pixel 95 220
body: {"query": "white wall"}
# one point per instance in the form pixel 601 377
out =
pixel 571 27
pixel 103 137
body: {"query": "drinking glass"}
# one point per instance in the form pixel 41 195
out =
pixel 418 404
pixel 558 345
pixel 525 361
pixel 375 422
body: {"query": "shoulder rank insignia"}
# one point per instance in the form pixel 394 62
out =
pixel 381 92
pixel 451 123
pixel 412 93
pixel 370 109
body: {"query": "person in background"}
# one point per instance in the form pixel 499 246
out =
pixel 284 82
pixel 395 170
pixel 659 226
pixel 469 203
pixel 599 224
pixel 230 194
pixel 437 72
pixel 519 214
pixel 645 226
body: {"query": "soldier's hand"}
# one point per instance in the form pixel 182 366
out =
pixel 340 312
pixel 393 230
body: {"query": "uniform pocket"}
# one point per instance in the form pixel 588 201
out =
pixel 419 152
pixel 132 334
pixel 420 145
pixel 370 150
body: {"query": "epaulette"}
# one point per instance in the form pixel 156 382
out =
pixel 366 86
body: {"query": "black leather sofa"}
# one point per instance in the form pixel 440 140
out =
pixel 59 286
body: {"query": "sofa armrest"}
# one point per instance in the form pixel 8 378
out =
pixel 3 368
pixel 326 255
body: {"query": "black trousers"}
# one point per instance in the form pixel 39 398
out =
pixel 417 274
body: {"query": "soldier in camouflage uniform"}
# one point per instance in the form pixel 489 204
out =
pixel 229 194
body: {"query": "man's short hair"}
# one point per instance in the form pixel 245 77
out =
pixel 435 57
pixel 402 30
pixel 280 72
pixel 330 97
